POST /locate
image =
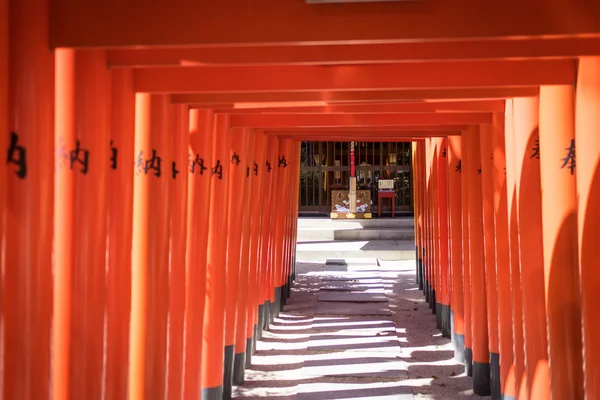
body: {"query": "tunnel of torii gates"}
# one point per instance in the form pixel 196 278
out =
pixel 150 183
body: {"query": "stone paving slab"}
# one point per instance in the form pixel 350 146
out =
pixel 357 364
pixel 363 391
pixel 354 297
pixel 340 308
pixel 385 342
pixel 376 324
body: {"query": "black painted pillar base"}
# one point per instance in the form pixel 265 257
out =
pixel 283 299
pixel 468 361
pixel 438 316
pixel 214 393
pixel 250 346
pixel 433 302
pixel 420 273
pixel 255 338
pixel 275 304
pixel 289 286
pixel 266 315
pixel 495 387
pixel 426 289
pixel 260 322
pixel 481 378
pixel 458 342
pixel 239 367
pixel 228 371
pixel 446 321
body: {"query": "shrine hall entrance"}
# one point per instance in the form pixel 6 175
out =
pixel 326 169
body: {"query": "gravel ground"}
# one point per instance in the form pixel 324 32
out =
pixel 432 371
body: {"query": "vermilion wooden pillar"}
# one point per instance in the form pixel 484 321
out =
pixel 216 284
pixel 4 140
pixel 150 252
pixel 425 204
pixel 481 366
pixel 29 162
pixel 200 161
pixel 254 301
pixel 244 317
pixel 587 142
pixel 529 210
pixel 281 201
pixel 423 212
pixel 62 249
pixel 464 185
pixel 178 132
pixel 88 162
pixel 429 249
pixel 489 231
pixel 505 342
pixel 267 248
pixel 444 234
pixel 417 211
pixel 435 212
pixel 559 213
pixel 515 263
pixel 120 218
pixel 455 219
pixel 237 187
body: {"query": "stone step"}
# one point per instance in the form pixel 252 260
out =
pixel 380 249
pixel 382 233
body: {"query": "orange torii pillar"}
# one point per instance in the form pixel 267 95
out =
pixel 422 211
pixel 27 280
pixel 462 165
pixel 271 150
pixel 424 149
pixel 83 108
pixel 200 161
pixel 296 202
pixel 150 252
pixel 254 305
pixel 587 141
pixel 293 176
pixel 213 344
pixel 178 176
pixel 481 357
pixel 120 219
pixel 281 201
pixel 505 342
pixel 435 213
pixel 271 218
pixel 237 187
pixel 515 264
pixel 525 112
pixel 417 211
pixel 430 291
pixel 443 234
pixel 489 232
pixel 455 236
pixel 3 124
pixel 559 213
pixel 244 310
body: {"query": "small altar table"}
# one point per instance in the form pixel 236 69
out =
pixel 389 194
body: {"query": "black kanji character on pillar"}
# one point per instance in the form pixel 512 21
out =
pixel 113 157
pixel 17 155
pixel 479 170
pixel 282 161
pixel 174 170
pixel 536 149
pixel 139 168
pixel 255 169
pixel 247 171
pixel 444 153
pixel 153 163
pixel 198 162
pixel 458 165
pixel 74 155
pixel 570 157
pixel 235 158
pixel 268 164
pixel 218 170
